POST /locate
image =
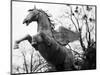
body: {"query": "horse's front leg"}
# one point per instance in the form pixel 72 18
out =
pixel 27 37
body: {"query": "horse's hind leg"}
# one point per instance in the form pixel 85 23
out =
pixel 27 37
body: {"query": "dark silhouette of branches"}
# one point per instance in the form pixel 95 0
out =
pixel 90 50
pixel 25 64
pixel 31 63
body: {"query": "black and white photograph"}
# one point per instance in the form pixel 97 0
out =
pixel 52 37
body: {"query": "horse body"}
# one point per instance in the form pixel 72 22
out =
pixel 56 54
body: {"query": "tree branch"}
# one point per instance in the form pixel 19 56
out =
pixel 25 63
pixel 89 36
pixel 72 19
pixel 31 65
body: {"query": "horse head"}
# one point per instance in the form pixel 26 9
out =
pixel 32 16
pixel 42 19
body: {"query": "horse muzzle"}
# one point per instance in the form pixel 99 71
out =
pixel 26 21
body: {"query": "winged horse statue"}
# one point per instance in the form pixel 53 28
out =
pixel 50 43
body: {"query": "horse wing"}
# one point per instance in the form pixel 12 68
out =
pixel 64 36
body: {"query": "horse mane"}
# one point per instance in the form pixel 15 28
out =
pixel 48 16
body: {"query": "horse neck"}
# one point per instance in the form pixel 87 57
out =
pixel 44 25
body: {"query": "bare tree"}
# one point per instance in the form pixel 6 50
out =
pixel 80 18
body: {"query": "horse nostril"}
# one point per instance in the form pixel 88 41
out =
pixel 26 21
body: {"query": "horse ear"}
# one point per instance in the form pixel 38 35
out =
pixel 64 36
pixel 32 9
